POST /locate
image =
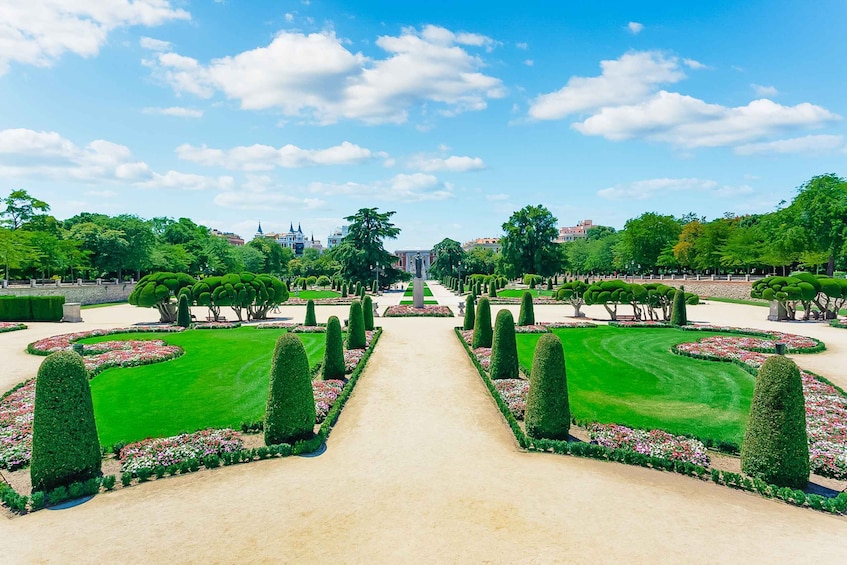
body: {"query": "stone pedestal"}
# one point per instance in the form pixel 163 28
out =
pixel 418 293
pixel 71 312
pixel 777 312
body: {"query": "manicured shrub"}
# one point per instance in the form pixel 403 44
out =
pixel 776 448
pixel 504 349
pixel 323 281
pixel 374 288
pixel 358 289
pixel 368 312
pixel 310 314
pixel 527 314
pixel 15 309
pixel 492 289
pixel 548 412
pixel 65 446
pixel 47 308
pixel 549 284
pixel 356 327
pixel 461 287
pixel 470 316
pixel 679 315
pixel 333 365
pixel 183 313
pixel 343 290
pixel 290 414
pixel 157 289
pixel 482 325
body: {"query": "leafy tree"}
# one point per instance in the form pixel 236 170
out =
pixel 645 237
pixel 547 407
pixel 363 249
pixel 528 244
pixel 290 414
pixel 504 349
pixel 743 248
pixel 255 293
pixel 277 257
pixel 323 281
pixel 448 255
pixel 21 208
pixel 250 258
pixel 168 257
pixel 158 289
pixel 16 250
pixel 218 257
pixel 571 292
pixel 820 208
pixel 480 260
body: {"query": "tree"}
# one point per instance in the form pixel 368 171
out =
pixel 645 237
pixel 310 314
pixel 157 290
pixel 480 260
pixel 571 292
pixel 290 414
pixel 504 349
pixel 362 248
pixel 21 208
pixel 183 316
pixel 820 208
pixel 548 412
pixel 776 447
pixel 251 259
pixel 679 315
pixel 16 250
pixel 333 365
pixel 448 254
pixel 528 246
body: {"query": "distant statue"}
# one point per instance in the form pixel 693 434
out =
pixel 418 265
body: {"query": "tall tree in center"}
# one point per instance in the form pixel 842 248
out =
pixel 361 251
pixel 528 244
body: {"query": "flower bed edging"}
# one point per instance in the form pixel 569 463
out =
pixel 406 311
pixel 11 327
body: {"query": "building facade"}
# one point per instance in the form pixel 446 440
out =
pixel 406 260
pixel 571 233
pixel 293 239
pixel 484 242
pixel 336 236
pixel 232 238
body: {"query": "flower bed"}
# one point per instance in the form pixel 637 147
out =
pixel 276 325
pixel 655 443
pixel 16 411
pixel 132 353
pixel 532 329
pixel 402 310
pixel 215 325
pixel 326 393
pixel 308 329
pixel 640 324
pixel 559 325
pixel 63 342
pixel 11 326
pixel 513 392
pixel 150 453
pixel 337 301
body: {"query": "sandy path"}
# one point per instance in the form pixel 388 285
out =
pixel 421 468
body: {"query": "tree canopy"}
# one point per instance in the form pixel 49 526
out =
pixel 528 244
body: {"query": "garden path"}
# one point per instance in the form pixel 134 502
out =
pixel 421 467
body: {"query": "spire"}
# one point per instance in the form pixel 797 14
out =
pixel 298 228
pixel 313 237
pixel 260 228
pixel 291 227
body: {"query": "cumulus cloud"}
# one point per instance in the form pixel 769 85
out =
pixel 316 77
pixel 265 158
pixel 453 164
pixel 38 32
pixel 694 64
pixel 416 187
pixel 176 111
pixel 260 193
pixel 154 44
pixel 645 189
pixel 635 28
pixel 810 144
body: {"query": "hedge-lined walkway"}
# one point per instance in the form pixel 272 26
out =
pixel 421 467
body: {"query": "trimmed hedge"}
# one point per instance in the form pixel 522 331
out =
pixel 356 338
pixel 504 348
pixel 65 446
pixel 679 314
pixel 527 313
pixel 368 312
pixel 31 308
pixel 548 413
pixel 183 313
pixel 482 325
pixel 310 319
pixel 470 316
pixel 290 415
pixel 333 365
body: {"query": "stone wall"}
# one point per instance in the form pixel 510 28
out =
pixel 86 294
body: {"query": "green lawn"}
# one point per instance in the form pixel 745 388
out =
pixel 411 289
pixel 314 294
pixel 221 380
pixel 517 293
pixel 630 377
pixel 403 302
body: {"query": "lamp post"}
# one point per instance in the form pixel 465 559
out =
pixel 376 271
pixel 459 269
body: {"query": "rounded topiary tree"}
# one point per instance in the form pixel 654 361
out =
pixel 482 325
pixel 323 281
pixel 65 445
pixel 368 312
pixel 183 312
pixel 776 447
pixel 527 314
pixel 157 289
pixel 290 415
pixel 356 327
pixel 310 314
pixel 504 348
pixel 548 413
pixel 470 316
pixel 343 290
pixel 679 315
pixel 333 366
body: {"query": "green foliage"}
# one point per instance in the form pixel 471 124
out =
pixel 290 415
pixel 362 248
pixel 31 308
pixel 65 448
pixel 258 294
pixel 547 408
pixel 368 312
pixel 532 280
pixel 527 313
pixel 323 281
pixel 645 237
pixel 679 315
pixel 333 365
pixel 492 289
pixel 504 349
pixel 470 316
pixel 183 314
pixel 356 338
pixel 482 332
pixel 310 314
pixel 157 290
pixel 343 290
pixel 448 254
pixel 775 447
pixel 528 244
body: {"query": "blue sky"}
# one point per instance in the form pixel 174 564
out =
pixel 453 114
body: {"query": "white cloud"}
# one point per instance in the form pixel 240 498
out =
pixel 416 187
pixel 521 45
pixel 265 158
pixel 626 80
pixel 260 193
pixel 154 44
pixel 101 193
pixel 529 62
pixel 764 91
pixel 38 32
pixel 316 77
pixel 497 197
pixel 810 144
pixel 29 154
pixel 644 189
pixel 289 17
pixel 176 111
pixel 453 164
pixel 635 28
pixel 694 64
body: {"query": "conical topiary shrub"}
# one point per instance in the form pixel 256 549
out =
pixel 548 413
pixel 776 447
pixel 549 284
pixel 482 325
pixel 65 445
pixel 310 314
pixel 358 289
pixel 290 415
pixel 504 348
pixel 679 315
pixel 343 290
pixel 492 289
pixel 183 312
pixel 333 366
pixel 356 327
pixel 527 314
pixel 461 287
pixel 368 312
pixel 470 317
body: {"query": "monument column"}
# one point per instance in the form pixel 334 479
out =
pixel 417 292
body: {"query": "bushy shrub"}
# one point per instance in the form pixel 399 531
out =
pixel 65 446
pixel 15 309
pixel 333 365
pixel 549 284
pixel 290 414
pixel 492 289
pixel 183 313
pixel 469 313
pixel 358 289
pixel 343 290
pixel 310 314
pixel 547 408
pixel 482 325
pixel 157 289
pixel 776 448
pixel 323 281
pixel 356 327
pixel 504 348
pixel 679 314
pixel 368 312
pixel 527 313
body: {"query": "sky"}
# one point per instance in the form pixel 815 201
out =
pixel 452 114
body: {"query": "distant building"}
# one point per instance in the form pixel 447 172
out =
pixel 336 236
pixel 232 238
pixel 406 260
pixel 484 242
pixel 294 239
pixel 314 244
pixel 579 231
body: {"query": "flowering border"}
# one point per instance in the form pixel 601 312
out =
pixel 428 311
pixel 64 342
pixel 215 325
pixel 11 327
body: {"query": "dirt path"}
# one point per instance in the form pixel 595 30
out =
pixel 422 468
